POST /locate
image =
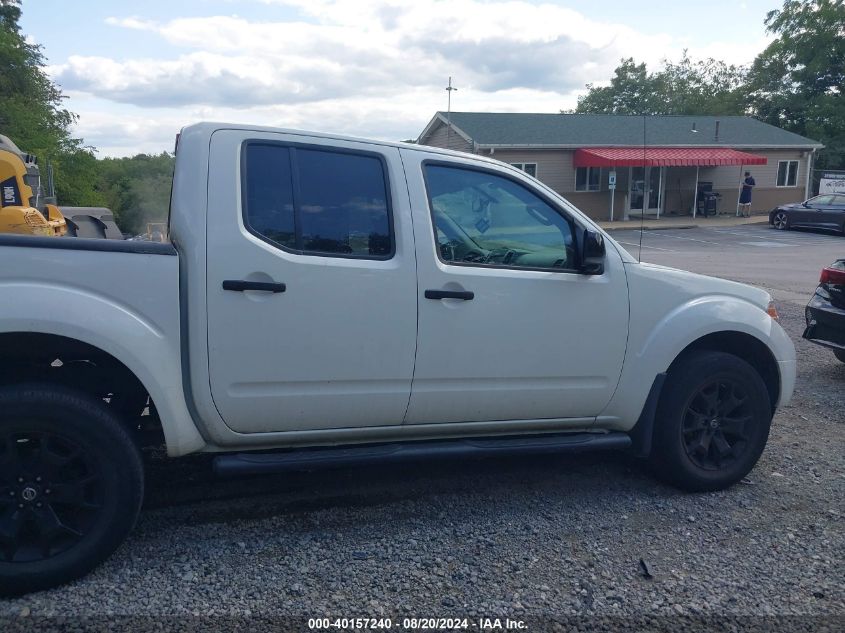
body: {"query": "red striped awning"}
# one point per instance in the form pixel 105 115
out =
pixel 664 157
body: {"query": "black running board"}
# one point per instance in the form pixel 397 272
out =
pixel 306 459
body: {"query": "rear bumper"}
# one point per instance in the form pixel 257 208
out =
pixel 825 323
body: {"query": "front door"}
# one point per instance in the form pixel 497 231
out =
pixel 645 189
pixel 508 329
pixel 311 283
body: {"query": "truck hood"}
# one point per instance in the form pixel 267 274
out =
pixel 685 286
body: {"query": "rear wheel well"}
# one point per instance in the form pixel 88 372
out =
pixel 750 349
pixel 27 357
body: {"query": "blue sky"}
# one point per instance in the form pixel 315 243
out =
pixel 136 72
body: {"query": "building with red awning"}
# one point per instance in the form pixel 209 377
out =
pixel 615 166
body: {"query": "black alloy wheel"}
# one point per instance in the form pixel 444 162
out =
pixel 714 428
pixel 712 421
pixel 71 485
pixel 51 491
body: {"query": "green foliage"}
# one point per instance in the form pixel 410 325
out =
pixel 137 189
pixel 797 82
pixel 33 116
pixel 631 91
pixel 685 87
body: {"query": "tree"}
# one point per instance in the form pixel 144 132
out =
pixel 137 189
pixel 686 87
pixel 33 115
pixel 797 82
pixel 631 91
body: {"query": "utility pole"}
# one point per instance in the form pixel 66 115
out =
pixel 449 90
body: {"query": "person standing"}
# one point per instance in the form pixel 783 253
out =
pixel 745 196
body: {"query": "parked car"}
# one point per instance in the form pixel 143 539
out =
pixel 825 314
pixel 826 211
pixel 341 300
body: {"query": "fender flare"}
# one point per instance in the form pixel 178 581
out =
pixel 129 336
pixel 687 323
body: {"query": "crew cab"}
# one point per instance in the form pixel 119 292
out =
pixel 330 299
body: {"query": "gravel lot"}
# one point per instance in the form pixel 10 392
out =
pixel 526 538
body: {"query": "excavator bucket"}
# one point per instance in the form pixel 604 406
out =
pixel 96 222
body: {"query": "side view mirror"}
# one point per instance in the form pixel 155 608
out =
pixel 591 253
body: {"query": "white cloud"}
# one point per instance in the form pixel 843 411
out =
pixel 361 51
pixel 132 22
pixel 370 67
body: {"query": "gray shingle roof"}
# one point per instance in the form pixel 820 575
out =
pixel 517 129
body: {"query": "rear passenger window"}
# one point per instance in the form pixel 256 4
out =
pixel 269 194
pixel 318 202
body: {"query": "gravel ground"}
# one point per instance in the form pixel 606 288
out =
pixel 530 539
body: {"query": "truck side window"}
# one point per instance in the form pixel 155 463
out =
pixel 343 203
pixel 318 201
pixel 269 193
pixel 484 219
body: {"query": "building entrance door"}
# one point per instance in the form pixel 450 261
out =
pixel 645 189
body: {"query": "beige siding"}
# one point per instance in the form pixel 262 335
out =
pixel 596 204
pixel 763 199
pixel 764 175
pixel 554 167
pixel 440 136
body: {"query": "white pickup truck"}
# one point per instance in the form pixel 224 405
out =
pixel 341 300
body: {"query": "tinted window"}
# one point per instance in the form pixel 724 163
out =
pixel 343 203
pixel 484 219
pixel 318 202
pixel 588 179
pixel 269 193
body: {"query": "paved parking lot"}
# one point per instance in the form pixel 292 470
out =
pixel 787 263
pixel 525 538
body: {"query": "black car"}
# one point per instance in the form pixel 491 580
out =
pixel 825 313
pixel 826 211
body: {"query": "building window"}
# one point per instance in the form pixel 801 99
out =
pixel 528 168
pixel 588 179
pixel 318 201
pixel 787 173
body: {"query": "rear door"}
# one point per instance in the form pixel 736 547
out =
pixel 311 283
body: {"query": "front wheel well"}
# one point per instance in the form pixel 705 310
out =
pixel 749 348
pixel 27 357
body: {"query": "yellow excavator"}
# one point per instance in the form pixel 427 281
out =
pixel 28 208
pixel 24 207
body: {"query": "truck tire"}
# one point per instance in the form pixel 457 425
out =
pixel 71 485
pixel 712 422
